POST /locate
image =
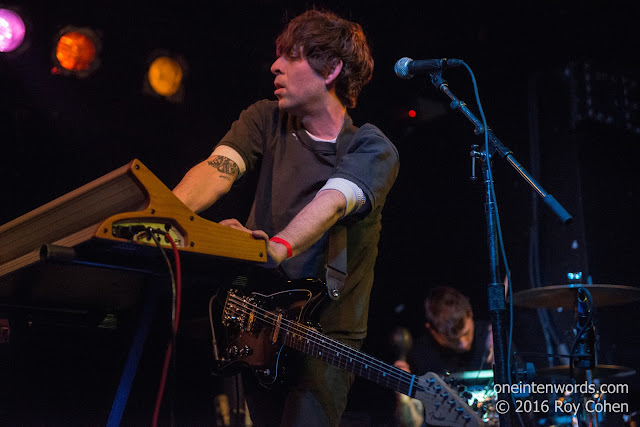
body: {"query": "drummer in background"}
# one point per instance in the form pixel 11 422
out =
pixel 452 341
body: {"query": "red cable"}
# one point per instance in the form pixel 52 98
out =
pixel 163 380
pixel 167 356
pixel 176 256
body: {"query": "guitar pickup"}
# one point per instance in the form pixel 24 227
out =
pixel 250 321
pixel 276 328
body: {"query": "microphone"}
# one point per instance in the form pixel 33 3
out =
pixel 406 68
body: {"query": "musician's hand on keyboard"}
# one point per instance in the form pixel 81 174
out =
pixel 276 252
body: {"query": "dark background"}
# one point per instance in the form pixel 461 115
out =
pixel 58 133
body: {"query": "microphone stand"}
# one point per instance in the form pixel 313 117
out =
pixel 496 293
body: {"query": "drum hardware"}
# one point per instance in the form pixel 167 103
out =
pixel 583 366
pixel 525 375
pixel 477 388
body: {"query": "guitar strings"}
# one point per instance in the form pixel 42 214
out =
pixel 321 340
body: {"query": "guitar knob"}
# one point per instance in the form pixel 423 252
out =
pixel 246 351
pixel 233 351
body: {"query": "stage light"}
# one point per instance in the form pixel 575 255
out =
pixel 12 30
pixel 423 109
pixel 77 52
pixel 165 76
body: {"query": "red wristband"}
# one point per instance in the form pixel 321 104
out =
pixel 285 243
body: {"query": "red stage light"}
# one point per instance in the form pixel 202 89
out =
pixel 76 52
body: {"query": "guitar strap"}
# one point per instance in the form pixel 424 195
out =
pixel 337 253
pixel 337 260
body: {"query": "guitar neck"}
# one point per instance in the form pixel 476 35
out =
pixel 442 406
pixel 315 344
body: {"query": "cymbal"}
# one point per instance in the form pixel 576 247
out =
pixel 600 371
pixel 565 295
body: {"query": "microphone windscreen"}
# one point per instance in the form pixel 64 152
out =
pixel 402 68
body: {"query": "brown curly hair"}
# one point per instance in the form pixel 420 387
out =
pixel 322 37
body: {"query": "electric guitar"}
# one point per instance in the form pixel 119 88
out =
pixel 261 325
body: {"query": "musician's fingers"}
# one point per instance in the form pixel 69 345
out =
pixel 234 223
pixel 259 234
pixel 401 364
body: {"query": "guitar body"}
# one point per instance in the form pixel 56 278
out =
pixel 252 324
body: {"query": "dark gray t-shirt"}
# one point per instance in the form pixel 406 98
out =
pixel 291 169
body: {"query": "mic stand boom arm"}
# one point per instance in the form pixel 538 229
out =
pixel 496 295
pixel 504 152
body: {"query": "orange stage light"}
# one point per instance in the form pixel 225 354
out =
pixel 165 76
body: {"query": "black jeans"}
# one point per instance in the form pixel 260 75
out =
pixel 311 393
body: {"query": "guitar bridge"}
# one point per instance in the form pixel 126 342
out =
pixel 233 313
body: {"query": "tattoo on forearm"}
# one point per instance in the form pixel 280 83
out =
pixel 224 165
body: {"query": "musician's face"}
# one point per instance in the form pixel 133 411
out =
pixel 460 342
pixel 298 87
